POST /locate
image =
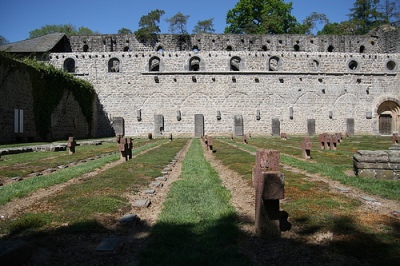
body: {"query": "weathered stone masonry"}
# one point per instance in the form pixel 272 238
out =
pixel 288 83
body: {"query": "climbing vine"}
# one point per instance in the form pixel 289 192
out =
pixel 48 85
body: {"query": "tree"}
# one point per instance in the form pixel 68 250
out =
pixel 342 28
pixel 66 28
pixel 3 40
pixel 204 26
pixel 261 17
pixel 390 11
pixel 124 31
pixel 309 23
pixel 148 26
pixel 177 24
pixel 365 16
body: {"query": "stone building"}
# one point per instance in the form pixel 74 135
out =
pixel 259 84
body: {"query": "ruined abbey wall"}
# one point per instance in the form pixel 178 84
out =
pixel 275 83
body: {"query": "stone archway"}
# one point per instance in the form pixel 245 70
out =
pixel 388 117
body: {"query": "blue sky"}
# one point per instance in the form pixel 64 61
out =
pixel 19 17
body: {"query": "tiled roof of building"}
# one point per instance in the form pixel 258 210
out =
pixel 40 44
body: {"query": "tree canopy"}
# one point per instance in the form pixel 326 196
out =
pixel 204 26
pixel 365 16
pixel 177 23
pixel 261 17
pixel 124 31
pixel 148 25
pixel 65 28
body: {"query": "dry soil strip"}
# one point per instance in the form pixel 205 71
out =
pixel 17 206
pixel 378 205
pixel 243 196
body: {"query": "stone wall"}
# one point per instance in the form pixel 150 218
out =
pixel 378 164
pixel 294 88
pixel 234 42
pixel 17 119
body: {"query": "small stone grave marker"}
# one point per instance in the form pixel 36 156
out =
pixel 107 244
pixel 143 203
pixel 129 218
pixel 156 184
pixel 149 191
pixel 367 198
pixel 396 213
pixel 161 178
pixel 343 189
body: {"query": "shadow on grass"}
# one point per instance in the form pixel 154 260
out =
pixel 341 243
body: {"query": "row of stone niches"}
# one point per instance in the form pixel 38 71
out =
pixel 238 125
pixel 195 63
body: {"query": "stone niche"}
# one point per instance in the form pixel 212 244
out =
pixel 382 164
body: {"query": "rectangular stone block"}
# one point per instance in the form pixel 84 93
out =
pixel 238 125
pixel 311 127
pixel 198 125
pixel 108 244
pixel 158 125
pixel 118 124
pixel 273 186
pixel 276 127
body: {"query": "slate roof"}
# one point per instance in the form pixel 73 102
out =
pixel 40 44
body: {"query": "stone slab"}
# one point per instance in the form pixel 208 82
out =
pixel 343 189
pixel 143 203
pixel 129 218
pixel 396 213
pixel 149 191
pixel 164 172
pixel 367 198
pixel 108 244
pixel 161 178
pixel 156 184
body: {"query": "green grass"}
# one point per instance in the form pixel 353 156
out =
pixel 332 164
pixel 79 205
pixel 25 163
pixel 29 185
pixel 197 225
pixel 316 210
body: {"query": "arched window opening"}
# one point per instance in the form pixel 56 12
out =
pixel 154 64
pixel 194 64
pixel 331 48
pixel 195 49
pixel 160 49
pixel 235 63
pixel 296 48
pixel 114 65
pixel 274 63
pixel 264 48
pixel 85 48
pixel 69 65
pixel 362 49
pixel 229 48
pixel 126 49
pixel 388 113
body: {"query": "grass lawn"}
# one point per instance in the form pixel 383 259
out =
pixel 197 225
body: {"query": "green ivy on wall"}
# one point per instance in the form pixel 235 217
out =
pixel 48 85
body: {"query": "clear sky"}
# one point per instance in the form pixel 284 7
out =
pixel 19 17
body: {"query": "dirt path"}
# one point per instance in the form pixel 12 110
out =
pixel 17 206
pixel 371 203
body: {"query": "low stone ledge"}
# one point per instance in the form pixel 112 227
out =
pixel 379 164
